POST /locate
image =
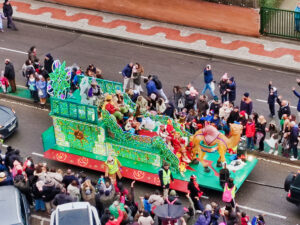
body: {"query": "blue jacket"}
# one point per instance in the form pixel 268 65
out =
pixel 208 76
pixel 151 87
pixel 297 13
pixel 42 85
pixel 232 92
pixel 298 95
pixel 204 219
pixel 126 72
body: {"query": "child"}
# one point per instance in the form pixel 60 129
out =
pixel 245 220
pixel 4 84
pixel 32 88
pixel 272 99
pixel 273 141
pixel 250 132
pixel 1 23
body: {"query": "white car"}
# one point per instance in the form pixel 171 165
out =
pixel 75 213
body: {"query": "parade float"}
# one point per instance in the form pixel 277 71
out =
pixel 86 135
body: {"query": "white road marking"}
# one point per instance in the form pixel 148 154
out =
pixel 262 212
pixel 37 154
pixel 40 218
pixel 264 101
pixel 13 50
pixel 19 103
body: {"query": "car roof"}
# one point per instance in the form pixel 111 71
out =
pixel 74 213
pixel 9 205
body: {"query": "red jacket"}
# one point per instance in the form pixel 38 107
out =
pixel 245 220
pixel 110 108
pixel 250 130
pixel 118 221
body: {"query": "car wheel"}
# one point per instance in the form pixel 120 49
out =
pixel 288 181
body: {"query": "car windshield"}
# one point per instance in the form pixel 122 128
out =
pixel 74 217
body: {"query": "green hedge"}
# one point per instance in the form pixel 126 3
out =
pixel 270 3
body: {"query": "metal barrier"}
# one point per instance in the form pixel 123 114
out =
pixel 281 23
pixel 241 3
pixel 73 110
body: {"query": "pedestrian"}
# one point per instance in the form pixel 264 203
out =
pixel 49 192
pixel 137 72
pixel 126 73
pixel 294 140
pixel 202 105
pixel 245 220
pixel 178 98
pixel 229 192
pixel 208 80
pixel 48 62
pixel 32 54
pixel 205 217
pixel 223 86
pixel 246 104
pixel 159 87
pixel 41 86
pixel 250 132
pixel 4 83
pixel 32 88
pixel 195 193
pixel 224 175
pixel 8 12
pixel 1 22
pixel 261 132
pixel 9 73
pixel 165 176
pixel 231 90
pixel 62 198
pixel 74 191
pixel 258 220
pixel 88 192
pixel 68 178
pixel 145 219
pixel 298 96
pixel 272 99
pixel 215 106
pixel 297 17
pixel 189 101
pixel 284 107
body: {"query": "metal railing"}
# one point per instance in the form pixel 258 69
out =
pixel 281 23
pixel 72 110
pixel 241 3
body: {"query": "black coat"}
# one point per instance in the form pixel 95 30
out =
pixel 9 71
pixel 7 10
pixel 232 92
pixel 49 192
pixel 48 65
pixel 272 97
pixel 223 87
pixel 283 109
pixel 62 198
pixel 193 190
pixel 233 116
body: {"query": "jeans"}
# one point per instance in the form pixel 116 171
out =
pixel 224 98
pixel 295 150
pixel 126 82
pixel 297 24
pixel 39 205
pixel 10 23
pixel 250 143
pixel 272 109
pixel 207 86
pixel 162 94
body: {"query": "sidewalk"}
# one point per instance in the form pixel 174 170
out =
pixel 244 49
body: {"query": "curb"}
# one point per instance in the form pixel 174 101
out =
pixel 24 100
pixel 280 159
pixel 210 56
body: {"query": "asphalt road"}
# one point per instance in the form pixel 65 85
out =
pixel 174 69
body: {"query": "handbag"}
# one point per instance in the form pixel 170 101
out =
pixel 227 197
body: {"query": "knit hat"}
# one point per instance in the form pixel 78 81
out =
pixel 242 113
pixel 172 193
pixel 225 76
pixel 166 164
pixel 216 98
pixel 231 78
pixel 246 94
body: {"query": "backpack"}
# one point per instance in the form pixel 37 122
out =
pixel 157 82
pixel 227 196
pixel 180 103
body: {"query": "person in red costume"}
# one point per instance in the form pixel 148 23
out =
pixel 170 127
pixel 195 193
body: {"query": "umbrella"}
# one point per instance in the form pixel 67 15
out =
pixel 168 211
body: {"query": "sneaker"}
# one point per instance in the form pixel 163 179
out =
pixel 293 159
